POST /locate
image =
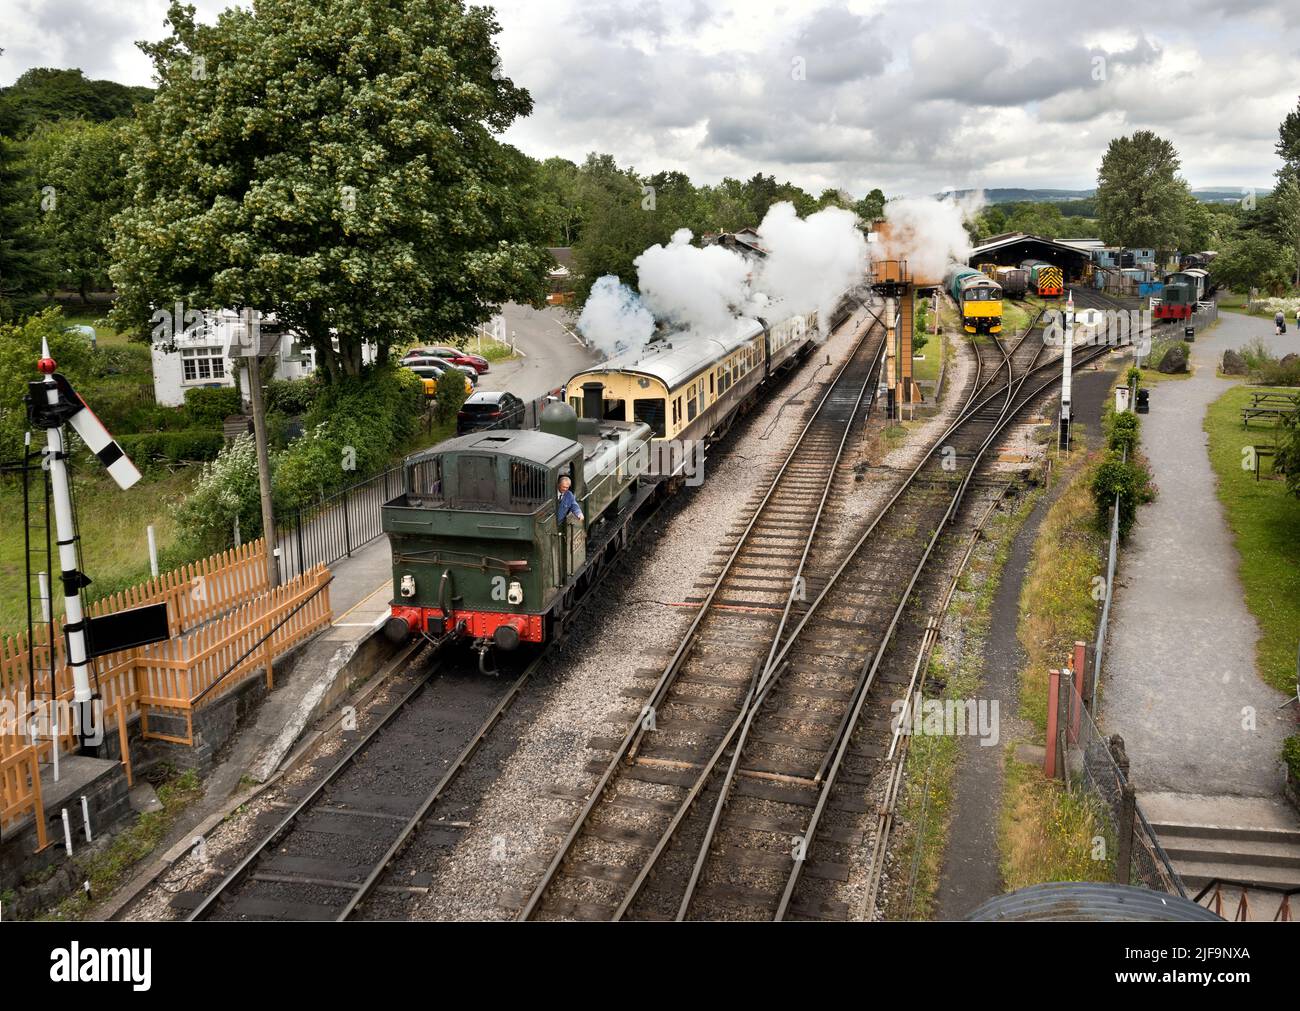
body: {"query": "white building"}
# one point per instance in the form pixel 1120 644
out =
pixel 208 353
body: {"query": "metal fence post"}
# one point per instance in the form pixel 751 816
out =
pixel 1063 724
pixel 298 524
pixel 347 527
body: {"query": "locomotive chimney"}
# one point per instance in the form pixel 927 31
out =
pixel 593 401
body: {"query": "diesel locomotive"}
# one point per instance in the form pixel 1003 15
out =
pixel 1044 278
pixel 1181 291
pixel 978 297
pixel 478 550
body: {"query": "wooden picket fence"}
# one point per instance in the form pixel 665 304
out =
pixel 226 626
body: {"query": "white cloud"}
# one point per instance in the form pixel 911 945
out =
pixel 899 95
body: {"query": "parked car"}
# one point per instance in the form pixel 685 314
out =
pixel 430 374
pixel 442 363
pixel 490 408
pixel 451 354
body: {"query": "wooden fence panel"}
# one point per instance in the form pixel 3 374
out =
pixel 218 609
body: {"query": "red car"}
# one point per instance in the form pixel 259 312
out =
pixel 477 362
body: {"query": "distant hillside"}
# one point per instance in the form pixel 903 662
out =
pixel 1008 195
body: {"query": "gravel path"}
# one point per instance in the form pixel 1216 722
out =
pixel 1180 665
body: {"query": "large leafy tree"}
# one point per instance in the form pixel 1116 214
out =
pixel 1253 261
pixel 336 164
pixel 1140 196
pixel 1288 145
pixel 619 222
pixel 79 169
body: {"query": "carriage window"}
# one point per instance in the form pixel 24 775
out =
pixel 576 404
pixel 615 410
pixel 651 411
pixel 710 384
pixel 690 405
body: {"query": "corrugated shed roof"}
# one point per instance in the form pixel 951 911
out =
pixel 1090 901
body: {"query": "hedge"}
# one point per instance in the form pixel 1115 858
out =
pixel 194 444
pixel 210 406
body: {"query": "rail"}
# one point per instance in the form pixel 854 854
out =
pixel 627 749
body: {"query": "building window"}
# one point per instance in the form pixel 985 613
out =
pixel 202 364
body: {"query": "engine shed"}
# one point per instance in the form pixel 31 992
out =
pixel 1013 248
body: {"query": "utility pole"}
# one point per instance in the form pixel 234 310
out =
pixel 253 374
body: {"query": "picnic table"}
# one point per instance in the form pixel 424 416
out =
pixel 1275 404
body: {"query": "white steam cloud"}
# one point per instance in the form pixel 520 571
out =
pixel 810 262
pixel 928 233
pixel 697 288
pixel 614 319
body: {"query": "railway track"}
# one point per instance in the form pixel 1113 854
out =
pixel 729 792
pixel 334 847
pixel 330 851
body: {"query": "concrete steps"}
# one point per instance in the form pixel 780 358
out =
pixel 1252 841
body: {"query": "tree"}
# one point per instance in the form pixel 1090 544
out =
pixel 1253 261
pixel 1288 221
pixel 870 208
pixel 79 169
pixel 336 164
pixel 1197 232
pixel 617 223
pixel 558 183
pixel 1288 144
pixel 1140 196
pixel 47 95
pixel 25 272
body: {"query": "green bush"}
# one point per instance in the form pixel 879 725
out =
pixel 1122 431
pixel 352 431
pixel 292 396
pixel 20 348
pixel 226 491
pixel 209 406
pixel 449 399
pixel 1131 480
pixel 1291 755
pixel 123 360
pixel 174 447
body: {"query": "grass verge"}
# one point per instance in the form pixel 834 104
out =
pixel 113 526
pixel 924 808
pixel 1048 832
pixel 1264 519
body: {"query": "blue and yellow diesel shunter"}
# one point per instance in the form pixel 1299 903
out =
pixel 978 297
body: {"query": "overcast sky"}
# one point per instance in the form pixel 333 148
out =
pixel 910 97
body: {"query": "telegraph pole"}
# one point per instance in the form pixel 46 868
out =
pixel 253 373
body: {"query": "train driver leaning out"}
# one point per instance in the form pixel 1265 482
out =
pixel 567 503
